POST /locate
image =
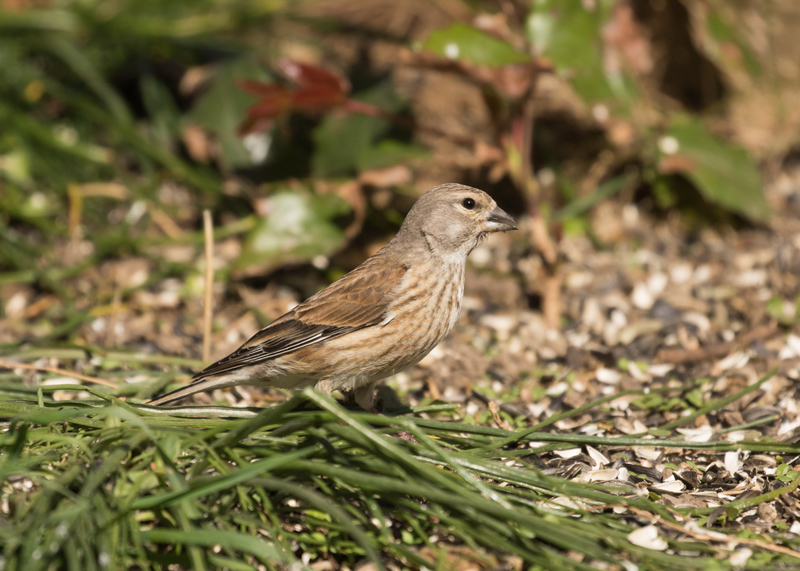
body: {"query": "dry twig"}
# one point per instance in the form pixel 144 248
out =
pixel 9 365
pixel 208 232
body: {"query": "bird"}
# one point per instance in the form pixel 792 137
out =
pixel 379 319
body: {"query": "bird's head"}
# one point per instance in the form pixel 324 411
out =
pixel 451 219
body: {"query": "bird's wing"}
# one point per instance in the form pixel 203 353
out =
pixel 359 299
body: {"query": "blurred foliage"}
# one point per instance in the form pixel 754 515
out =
pixel 220 110
pixel 346 143
pixel 146 95
pixel 298 227
pixel 723 173
pixel 577 43
pixel 570 36
pixel 460 41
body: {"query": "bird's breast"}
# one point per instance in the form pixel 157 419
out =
pixel 427 304
pixel 424 309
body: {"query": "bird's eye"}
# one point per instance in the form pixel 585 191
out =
pixel 468 203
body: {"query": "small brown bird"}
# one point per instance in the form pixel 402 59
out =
pixel 379 319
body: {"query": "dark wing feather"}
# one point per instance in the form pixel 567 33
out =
pixel 358 300
pixel 274 341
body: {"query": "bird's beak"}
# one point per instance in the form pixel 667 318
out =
pixel 498 221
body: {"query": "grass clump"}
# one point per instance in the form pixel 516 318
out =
pixel 102 483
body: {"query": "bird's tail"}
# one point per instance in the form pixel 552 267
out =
pixel 196 386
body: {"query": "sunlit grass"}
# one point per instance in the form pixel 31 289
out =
pixel 106 483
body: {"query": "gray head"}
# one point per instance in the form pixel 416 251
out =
pixel 451 219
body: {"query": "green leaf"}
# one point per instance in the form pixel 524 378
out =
pixel 731 512
pixel 785 473
pixel 571 36
pixel 649 402
pixel 783 311
pixel 695 397
pixel 723 173
pixel 298 228
pixel 319 515
pixel 466 43
pixel 580 205
pixel 729 47
pixel 223 106
pixel 345 141
pixel 340 139
pixel 163 111
pixel 388 153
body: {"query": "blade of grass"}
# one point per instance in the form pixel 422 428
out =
pixel 209 538
pixel 199 488
pixel 718 404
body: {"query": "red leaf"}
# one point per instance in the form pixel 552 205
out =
pixel 317 90
pixel 306 75
pixel 272 106
pixel 259 88
pixel 316 98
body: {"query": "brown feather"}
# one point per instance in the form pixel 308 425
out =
pixel 359 299
pixel 382 317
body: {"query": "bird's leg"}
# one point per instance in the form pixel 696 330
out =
pixel 362 396
pixel 324 386
pixel 365 397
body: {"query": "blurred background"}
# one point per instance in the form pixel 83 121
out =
pixel 309 128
